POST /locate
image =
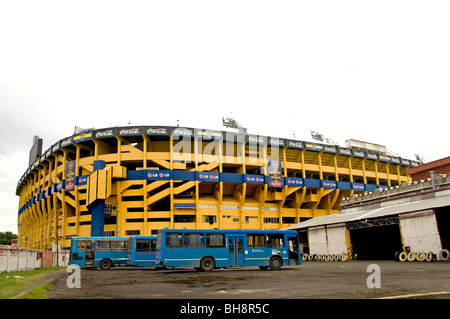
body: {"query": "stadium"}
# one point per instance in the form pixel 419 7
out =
pixel 135 180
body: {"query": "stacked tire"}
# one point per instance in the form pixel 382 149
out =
pixel 324 257
pixel 421 256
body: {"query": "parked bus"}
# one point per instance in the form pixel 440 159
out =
pixel 103 252
pixel 206 249
pixel 142 251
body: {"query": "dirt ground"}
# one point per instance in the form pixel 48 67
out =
pixel 312 280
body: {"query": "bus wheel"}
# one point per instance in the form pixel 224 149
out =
pixel 207 264
pixel 275 263
pixel 105 264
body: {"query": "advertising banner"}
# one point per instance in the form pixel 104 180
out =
pixel 253 179
pixel 158 175
pixel 275 174
pixel 70 175
pixel 83 136
pixel 208 176
pixel 294 181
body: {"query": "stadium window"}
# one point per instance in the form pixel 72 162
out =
pixel 271 220
pixel 248 218
pixel 210 219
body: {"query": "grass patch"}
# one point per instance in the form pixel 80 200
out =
pixel 16 282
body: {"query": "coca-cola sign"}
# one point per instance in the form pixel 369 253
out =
pixel 156 130
pixel 130 131
pixel 274 141
pixel 105 133
pixel 182 131
pixel 66 141
pixel 296 144
pixel 257 139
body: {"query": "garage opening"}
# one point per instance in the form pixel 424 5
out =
pixel 443 224
pixel 376 239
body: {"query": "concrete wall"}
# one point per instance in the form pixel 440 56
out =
pixel 419 231
pixel 329 239
pixel 14 258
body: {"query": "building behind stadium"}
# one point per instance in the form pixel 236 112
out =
pixel 135 180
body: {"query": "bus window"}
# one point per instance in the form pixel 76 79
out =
pixel 255 241
pixel 119 245
pixel 153 245
pixel 194 240
pixel 275 241
pixel 174 240
pixel 215 240
pixel 104 245
pixel 81 245
pixel 142 245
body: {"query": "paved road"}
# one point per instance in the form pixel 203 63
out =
pixel 312 280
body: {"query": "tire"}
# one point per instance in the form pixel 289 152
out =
pixel 310 257
pixel 207 264
pixel 105 264
pixel 275 263
pixel 403 256
pixel 326 258
pixel 343 257
pixel 420 256
pixel 444 254
pixel 305 257
pixel 396 256
pixel 411 256
pixel 429 256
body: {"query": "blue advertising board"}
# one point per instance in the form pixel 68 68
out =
pixel 294 181
pixel 208 177
pixel 70 175
pixel 275 174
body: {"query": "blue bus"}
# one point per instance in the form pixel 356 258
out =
pixel 103 252
pixel 142 251
pixel 206 249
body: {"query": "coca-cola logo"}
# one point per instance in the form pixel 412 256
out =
pixel 256 139
pixel 183 132
pixel 345 151
pixel 157 130
pixel 66 142
pixel 276 141
pixel 330 149
pixel 104 133
pixel 129 131
pixel 296 144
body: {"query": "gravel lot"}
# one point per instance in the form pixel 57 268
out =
pixel 312 280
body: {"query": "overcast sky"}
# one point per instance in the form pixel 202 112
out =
pixel 377 71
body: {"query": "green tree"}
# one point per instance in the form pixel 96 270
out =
pixel 5 238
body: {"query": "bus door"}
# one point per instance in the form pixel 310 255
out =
pixel 89 259
pixel 145 252
pixel 236 251
pixel 294 251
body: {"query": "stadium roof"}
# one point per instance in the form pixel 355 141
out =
pixel 396 209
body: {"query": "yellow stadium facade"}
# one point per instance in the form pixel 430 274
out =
pixel 123 181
